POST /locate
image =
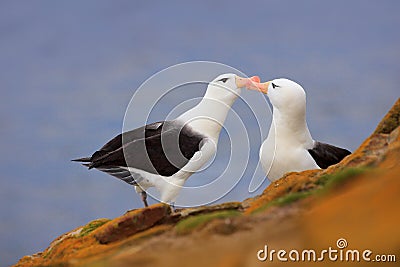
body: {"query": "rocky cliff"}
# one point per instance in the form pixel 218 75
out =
pixel 353 205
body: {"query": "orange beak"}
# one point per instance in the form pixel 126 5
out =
pixel 262 87
pixel 249 83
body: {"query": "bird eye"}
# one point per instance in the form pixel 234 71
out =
pixel 223 80
pixel 274 85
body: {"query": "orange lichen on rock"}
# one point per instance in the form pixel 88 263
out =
pixel 369 154
pixel 289 183
pixel 391 120
pixel 131 223
pixel 68 247
pixel 365 213
pixel 73 247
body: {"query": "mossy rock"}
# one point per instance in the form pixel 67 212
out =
pixel 93 225
pixel 325 182
pixel 284 200
pixel 330 181
pixel 290 198
pixel 195 222
pixel 391 120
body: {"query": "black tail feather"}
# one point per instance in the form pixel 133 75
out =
pixel 87 159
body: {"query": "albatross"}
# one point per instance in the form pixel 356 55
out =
pixel 165 154
pixel 289 146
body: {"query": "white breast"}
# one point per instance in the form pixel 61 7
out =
pixel 169 187
pixel 282 157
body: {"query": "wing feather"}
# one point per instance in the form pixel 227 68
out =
pixel 159 148
pixel 326 155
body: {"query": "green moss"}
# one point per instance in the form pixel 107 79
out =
pixel 88 228
pixel 187 225
pixel 391 121
pixel 284 200
pixel 326 183
pixel 330 181
pixel 290 198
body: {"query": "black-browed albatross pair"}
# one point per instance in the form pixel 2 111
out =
pixel 165 154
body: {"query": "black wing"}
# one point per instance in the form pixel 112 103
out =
pixel 160 148
pixel 127 137
pixel 123 174
pixel 326 155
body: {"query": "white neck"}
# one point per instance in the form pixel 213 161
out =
pixel 291 128
pixel 208 116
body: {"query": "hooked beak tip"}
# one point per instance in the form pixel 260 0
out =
pixel 249 83
pixel 257 86
pixel 255 79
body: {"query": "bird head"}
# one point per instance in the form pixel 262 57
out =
pixel 284 94
pixel 228 86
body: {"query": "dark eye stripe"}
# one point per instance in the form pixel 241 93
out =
pixel 274 85
pixel 223 80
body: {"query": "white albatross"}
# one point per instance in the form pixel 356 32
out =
pixel 165 154
pixel 289 146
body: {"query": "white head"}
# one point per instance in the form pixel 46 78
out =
pixel 210 114
pixel 226 87
pixel 285 95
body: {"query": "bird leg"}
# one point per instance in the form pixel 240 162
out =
pixel 172 205
pixel 144 198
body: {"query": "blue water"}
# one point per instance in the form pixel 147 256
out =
pixel 69 68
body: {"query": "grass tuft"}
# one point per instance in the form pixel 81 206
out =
pixel 290 198
pixel 284 200
pixel 330 181
pixel 187 225
pixel 326 183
